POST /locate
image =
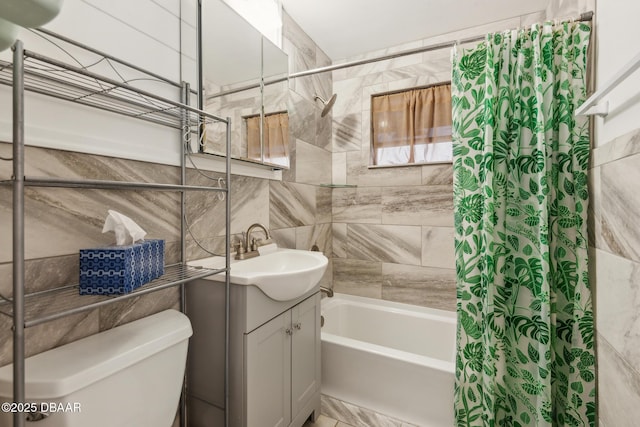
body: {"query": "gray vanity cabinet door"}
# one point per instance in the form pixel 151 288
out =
pixel 268 370
pixel 305 352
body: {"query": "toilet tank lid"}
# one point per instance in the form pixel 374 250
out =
pixel 66 369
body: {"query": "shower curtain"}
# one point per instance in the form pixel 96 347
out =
pixel 525 343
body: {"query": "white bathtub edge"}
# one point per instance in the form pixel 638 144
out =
pixel 392 353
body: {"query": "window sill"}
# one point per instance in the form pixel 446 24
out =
pixel 444 162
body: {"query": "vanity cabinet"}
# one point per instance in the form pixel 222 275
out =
pixel 282 369
pixel 274 363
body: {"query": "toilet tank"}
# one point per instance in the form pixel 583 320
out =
pixel 129 376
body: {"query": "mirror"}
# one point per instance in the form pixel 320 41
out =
pixel 244 78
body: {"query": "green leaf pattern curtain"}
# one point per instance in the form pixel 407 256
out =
pixel 525 344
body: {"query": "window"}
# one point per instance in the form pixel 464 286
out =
pixel 412 126
pixel 275 134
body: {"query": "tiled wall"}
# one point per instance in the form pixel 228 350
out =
pixel 615 267
pixel 300 208
pixel 393 231
pixel 60 221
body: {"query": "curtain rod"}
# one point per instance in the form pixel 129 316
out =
pixel 586 16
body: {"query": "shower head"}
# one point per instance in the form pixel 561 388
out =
pixel 327 104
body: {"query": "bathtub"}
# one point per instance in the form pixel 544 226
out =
pixel 395 359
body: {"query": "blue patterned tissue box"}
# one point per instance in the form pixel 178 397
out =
pixel 154 256
pixel 118 270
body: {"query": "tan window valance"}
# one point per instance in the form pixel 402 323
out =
pixel 412 126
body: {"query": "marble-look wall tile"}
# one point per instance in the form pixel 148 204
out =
pixel 435 69
pixel 359 174
pixel 249 204
pixel 291 205
pixel 423 205
pixel 365 145
pixel 357 277
pixel 425 286
pixel 47 335
pixel 340 242
pixel 618 302
pixel 304 46
pixel 61 221
pixel 205 211
pixel 615 272
pixel 208 246
pixel 322 421
pixel 131 309
pixel 318 234
pixel 349 99
pixel 357 162
pixel 620 206
pixel 324 198
pixel 438 247
pixel 306 122
pixel 285 237
pixel 313 164
pixel 172 252
pixel 367 92
pixel 437 174
pixel 352 415
pixel 42 274
pixel 347 132
pixel 357 205
pixel 327 277
pixel 618 148
pixel 339 168
pixel 377 67
pixel 594 212
pixel 324 128
pixel 618 388
pixel 302 119
pixel 386 243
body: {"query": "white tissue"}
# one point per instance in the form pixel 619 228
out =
pixel 124 228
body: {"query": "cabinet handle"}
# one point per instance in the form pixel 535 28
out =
pixel 297 326
pixel 288 331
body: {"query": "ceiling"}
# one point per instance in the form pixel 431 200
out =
pixel 347 28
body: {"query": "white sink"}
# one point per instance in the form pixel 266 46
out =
pixel 282 275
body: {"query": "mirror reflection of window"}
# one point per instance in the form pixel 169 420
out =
pixel 411 126
pixel 275 135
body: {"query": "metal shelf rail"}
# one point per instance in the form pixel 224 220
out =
pixel 52 304
pixel 40 74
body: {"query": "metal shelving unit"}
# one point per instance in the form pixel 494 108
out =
pixel 33 72
pixel 45 306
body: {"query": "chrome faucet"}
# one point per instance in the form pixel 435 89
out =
pixel 249 248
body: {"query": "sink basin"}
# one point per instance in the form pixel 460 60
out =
pixel 282 275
